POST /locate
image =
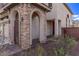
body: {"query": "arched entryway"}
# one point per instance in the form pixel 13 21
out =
pixel 16 28
pixel 35 28
pixel 14 17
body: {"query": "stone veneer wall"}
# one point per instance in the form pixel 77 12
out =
pixel 25 12
pixel 25 26
pixel 24 23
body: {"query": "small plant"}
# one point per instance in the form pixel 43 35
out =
pixel 70 42
pixel 40 50
pixel 60 51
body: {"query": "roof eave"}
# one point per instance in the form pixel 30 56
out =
pixel 68 8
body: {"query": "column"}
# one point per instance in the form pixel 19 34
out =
pixel 42 29
pixel 56 28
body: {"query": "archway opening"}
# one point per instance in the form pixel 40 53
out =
pixel 16 28
pixel 35 28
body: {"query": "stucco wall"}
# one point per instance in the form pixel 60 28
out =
pixel 53 13
pixel 62 12
pixel 59 12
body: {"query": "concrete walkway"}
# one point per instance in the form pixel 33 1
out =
pixel 9 50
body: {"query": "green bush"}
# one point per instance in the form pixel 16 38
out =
pixel 63 45
pixel 70 42
pixel 60 52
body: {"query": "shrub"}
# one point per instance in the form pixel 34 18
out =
pixel 59 47
pixel 70 42
pixel 60 52
pixel 63 45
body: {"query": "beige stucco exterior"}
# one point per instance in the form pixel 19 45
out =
pixel 29 27
pixel 59 12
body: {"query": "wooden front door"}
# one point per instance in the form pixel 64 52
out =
pixel 16 30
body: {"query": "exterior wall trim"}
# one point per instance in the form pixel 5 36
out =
pixel 67 8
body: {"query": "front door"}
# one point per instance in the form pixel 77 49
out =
pixel 16 30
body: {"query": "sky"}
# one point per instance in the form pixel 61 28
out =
pixel 74 7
